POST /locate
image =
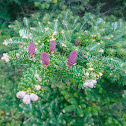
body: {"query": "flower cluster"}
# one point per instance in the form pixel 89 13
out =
pixel 90 83
pixel 5 57
pixel 27 98
pixel 37 87
pixel 45 57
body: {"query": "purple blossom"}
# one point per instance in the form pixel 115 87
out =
pixel 52 46
pixel 72 58
pixel 45 58
pixel 31 49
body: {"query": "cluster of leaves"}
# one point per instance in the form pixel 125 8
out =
pixel 62 98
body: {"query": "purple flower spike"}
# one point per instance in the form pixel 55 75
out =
pixel 52 46
pixel 31 49
pixel 45 59
pixel 72 59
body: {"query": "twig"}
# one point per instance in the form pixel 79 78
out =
pixel 84 55
pixel 28 120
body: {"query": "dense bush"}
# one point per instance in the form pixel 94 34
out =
pixel 70 95
pixel 11 9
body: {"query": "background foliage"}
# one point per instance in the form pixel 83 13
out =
pixel 10 9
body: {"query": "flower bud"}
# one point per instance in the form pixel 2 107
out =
pixel 63 45
pixel 52 47
pixel 91 85
pixel 95 75
pixel 20 94
pixel 101 50
pixel 31 49
pixel 33 97
pixel 94 81
pixel 7 60
pixel 37 87
pixel 26 99
pixel 90 69
pixel 5 57
pixel 72 58
pixel 17 55
pixel 39 79
pixel 77 43
pixel 87 74
pixel 45 59
pixel 5 43
pixel 100 74
pixel 85 84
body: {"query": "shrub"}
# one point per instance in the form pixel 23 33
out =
pixel 12 9
pixel 70 95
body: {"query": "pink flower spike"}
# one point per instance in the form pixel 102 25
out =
pixel 45 59
pixel 72 59
pixel 31 49
pixel 52 46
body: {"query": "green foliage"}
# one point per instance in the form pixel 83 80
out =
pixel 10 113
pixel 63 100
pixel 11 9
